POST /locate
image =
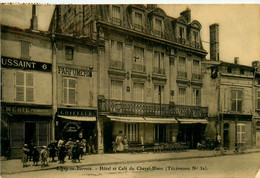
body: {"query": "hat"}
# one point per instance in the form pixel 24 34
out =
pixel 77 141
pixel 44 147
pixel 25 145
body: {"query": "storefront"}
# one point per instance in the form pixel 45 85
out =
pixel 76 124
pixel 27 124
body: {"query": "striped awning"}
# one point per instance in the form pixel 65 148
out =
pixel 127 119
pixel 160 120
pixel 78 118
pixel 192 121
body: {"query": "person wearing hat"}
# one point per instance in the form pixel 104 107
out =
pixel 25 155
pixel 44 156
pixel 35 154
pixel 53 150
pixel 62 153
pixel 69 146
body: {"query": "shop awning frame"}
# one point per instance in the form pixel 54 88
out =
pixel 192 121
pixel 133 119
pixel 79 118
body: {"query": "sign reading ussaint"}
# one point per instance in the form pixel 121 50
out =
pixel 9 62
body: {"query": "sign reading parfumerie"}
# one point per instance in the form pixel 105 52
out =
pixel 74 72
pixel 9 62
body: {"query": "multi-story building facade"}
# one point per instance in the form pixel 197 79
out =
pixel 26 88
pixel 256 102
pixel 149 71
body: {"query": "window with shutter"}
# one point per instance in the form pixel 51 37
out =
pixel 69 90
pixel 241 133
pixel 25 47
pixel 24 87
pixel 196 97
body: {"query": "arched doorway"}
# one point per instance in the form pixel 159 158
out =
pixel 226 135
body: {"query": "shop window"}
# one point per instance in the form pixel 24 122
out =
pixel 158 63
pixel 258 100
pixel 138 60
pixel 25 50
pixel 158 94
pixel 69 90
pixel 236 100
pixel 116 90
pixel 16 135
pixel 138 92
pixel 132 132
pixel 160 133
pixel 24 87
pixel 69 53
pixel 196 97
pixel 182 96
pixel 116 54
pixel 241 133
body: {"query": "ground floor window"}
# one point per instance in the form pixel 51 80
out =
pixel 132 132
pixel 160 132
pixel 241 133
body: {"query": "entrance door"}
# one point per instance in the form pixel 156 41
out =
pixel 258 139
pixel 226 135
pixel 30 133
pixel 160 133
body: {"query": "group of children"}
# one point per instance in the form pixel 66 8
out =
pixel 73 149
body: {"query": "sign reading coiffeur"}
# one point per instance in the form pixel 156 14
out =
pixel 9 62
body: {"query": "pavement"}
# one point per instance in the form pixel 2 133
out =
pixel 14 166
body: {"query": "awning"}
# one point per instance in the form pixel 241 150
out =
pixel 160 120
pixel 78 118
pixel 193 121
pixel 127 119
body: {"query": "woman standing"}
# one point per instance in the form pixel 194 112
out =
pixel 119 142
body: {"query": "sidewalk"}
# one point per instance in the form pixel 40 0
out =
pixel 15 165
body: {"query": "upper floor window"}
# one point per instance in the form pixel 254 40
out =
pixel 229 70
pixel 196 97
pixel 69 53
pixel 138 18
pixel 196 36
pixel 242 71
pixel 138 60
pixel 196 69
pixel 138 92
pixel 182 96
pixel 116 14
pixel 258 100
pixel 181 33
pixel 159 62
pixel 236 100
pixel 116 90
pixel 158 93
pixel 116 54
pixel 69 90
pixel 241 133
pixel 182 68
pixel 24 87
pixel 25 50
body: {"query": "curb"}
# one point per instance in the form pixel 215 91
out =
pixel 120 162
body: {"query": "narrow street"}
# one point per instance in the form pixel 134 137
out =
pixel 236 166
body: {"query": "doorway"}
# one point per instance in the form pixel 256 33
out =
pixel 226 135
pixel 30 133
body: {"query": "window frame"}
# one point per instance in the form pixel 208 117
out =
pixel 195 101
pixel 180 98
pixel 24 86
pixel 258 100
pixel 72 48
pixel 236 99
pixel 240 133
pixel 112 90
pixel 116 20
pixel 116 53
pixel 135 95
pixel 157 128
pixel 67 90
pixel 159 97
pixel 132 132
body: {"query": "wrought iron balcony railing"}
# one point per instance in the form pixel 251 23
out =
pixel 138 68
pixel 182 74
pixel 150 109
pixel 116 64
pixel 159 70
pixel 196 76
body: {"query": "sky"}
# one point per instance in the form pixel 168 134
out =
pixel 239 25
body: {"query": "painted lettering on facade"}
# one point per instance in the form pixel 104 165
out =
pixel 76 112
pixel 74 72
pixel 8 62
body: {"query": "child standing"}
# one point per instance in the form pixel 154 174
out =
pixel 25 155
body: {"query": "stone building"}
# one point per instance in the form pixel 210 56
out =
pixel 149 80
pixel 256 102
pixel 229 94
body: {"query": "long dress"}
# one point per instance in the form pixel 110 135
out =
pixel 119 143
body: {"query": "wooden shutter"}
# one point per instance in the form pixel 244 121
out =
pixel 72 91
pixel 65 91
pixel 29 87
pixel 20 86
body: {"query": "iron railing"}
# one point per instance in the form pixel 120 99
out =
pixel 150 109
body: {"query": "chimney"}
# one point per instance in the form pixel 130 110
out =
pixel 214 42
pixel 187 14
pixel 236 60
pixel 34 20
pixel 151 6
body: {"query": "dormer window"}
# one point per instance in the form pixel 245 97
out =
pixel 138 18
pixel 158 27
pixel 181 33
pixel 116 14
pixel 229 70
pixel 196 39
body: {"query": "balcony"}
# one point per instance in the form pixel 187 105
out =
pixel 116 20
pixel 107 106
pixel 157 70
pixel 116 64
pixel 182 74
pixel 196 77
pixel 138 68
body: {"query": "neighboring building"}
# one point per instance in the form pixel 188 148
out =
pixel 228 92
pixel 256 102
pixel 26 88
pixel 149 71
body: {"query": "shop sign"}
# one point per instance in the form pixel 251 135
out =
pixel 76 112
pixel 8 62
pixel 74 72
pixel 26 110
